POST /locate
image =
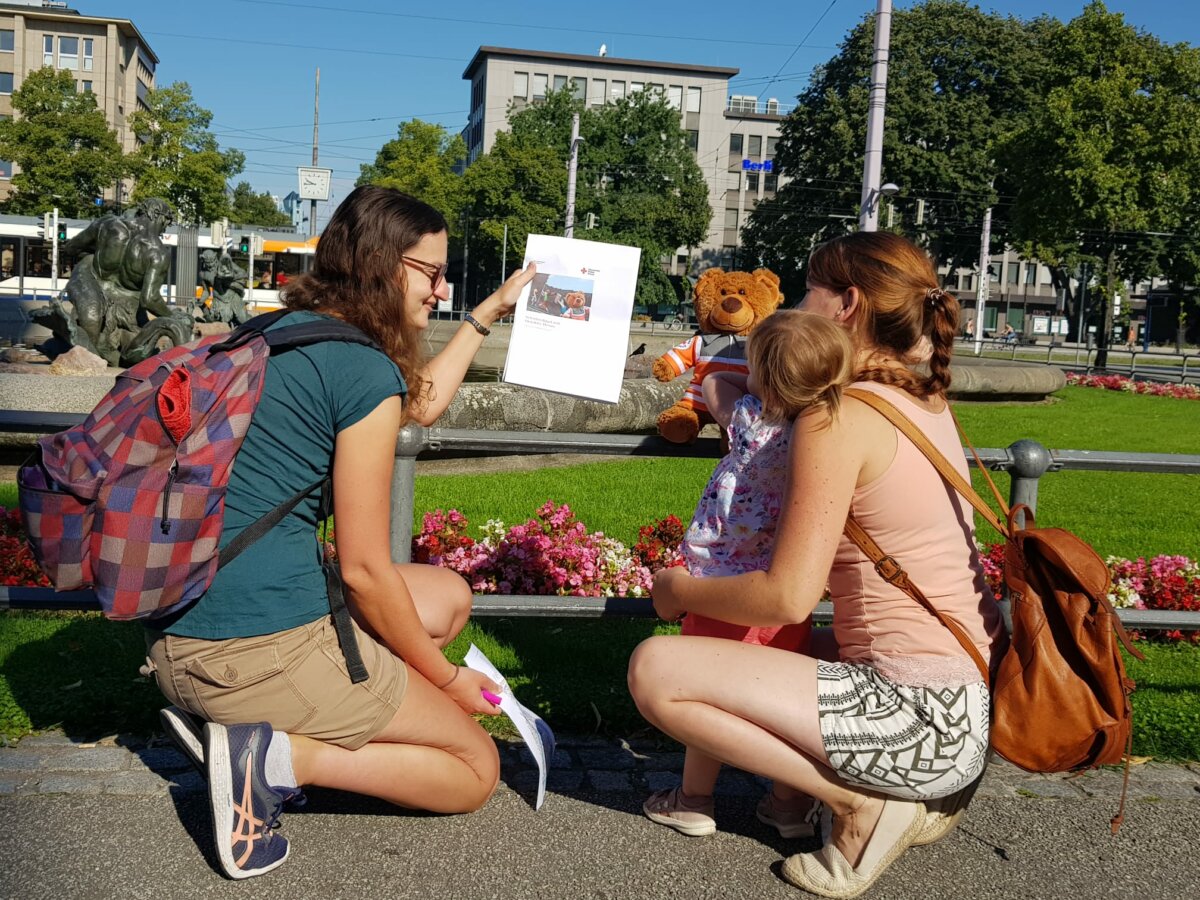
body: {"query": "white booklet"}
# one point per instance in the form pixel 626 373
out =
pixel 570 329
pixel 537 734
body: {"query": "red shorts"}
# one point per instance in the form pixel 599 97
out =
pixel 783 637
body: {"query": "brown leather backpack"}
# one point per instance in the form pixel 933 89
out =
pixel 1060 695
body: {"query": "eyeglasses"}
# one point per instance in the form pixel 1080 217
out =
pixel 435 272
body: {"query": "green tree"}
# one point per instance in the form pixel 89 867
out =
pixel 249 208
pixel 425 161
pixel 958 80
pixel 1109 152
pixel 179 159
pixel 636 177
pixel 61 143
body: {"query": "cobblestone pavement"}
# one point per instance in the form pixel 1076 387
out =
pixel 52 763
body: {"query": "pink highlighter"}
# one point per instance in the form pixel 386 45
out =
pixel 490 697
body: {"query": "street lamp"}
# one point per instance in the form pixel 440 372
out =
pixel 871 204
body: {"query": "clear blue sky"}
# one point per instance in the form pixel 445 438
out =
pixel 252 62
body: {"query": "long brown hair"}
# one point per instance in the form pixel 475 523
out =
pixel 900 303
pixel 358 275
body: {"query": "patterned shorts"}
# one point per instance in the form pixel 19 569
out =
pixel 915 743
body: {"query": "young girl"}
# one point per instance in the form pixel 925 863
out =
pixel 796 360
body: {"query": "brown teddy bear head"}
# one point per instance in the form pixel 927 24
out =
pixel 734 302
pixel 576 299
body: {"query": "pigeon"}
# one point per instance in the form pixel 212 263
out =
pixel 639 351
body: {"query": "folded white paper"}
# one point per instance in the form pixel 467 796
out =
pixel 570 329
pixel 537 734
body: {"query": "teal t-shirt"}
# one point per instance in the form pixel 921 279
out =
pixel 309 395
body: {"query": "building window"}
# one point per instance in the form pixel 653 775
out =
pixel 656 88
pixel 635 86
pixel 966 281
pixel 5 169
pixel 6 82
pixel 68 52
pixel 772 143
pixel 735 181
pixel 521 84
pixel 48 50
pixel 85 87
pixel 693 99
pixel 770 182
pixel 560 82
pixel 539 85
pixel 599 88
pixel 1014 273
pixel 735 145
pixel 87 54
pixel 752 183
pixel 681 263
pixel 617 90
pixel 755 146
pixel 579 88
pixel 993 273
pixel 675 96
pixel 693 140
pixel 6 40
pixel 731 217
pixel 1031 273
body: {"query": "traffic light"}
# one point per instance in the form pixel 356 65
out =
pixel 46 228
pixel 62 231
pixel 244 244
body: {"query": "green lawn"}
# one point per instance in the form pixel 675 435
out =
pixel 80 671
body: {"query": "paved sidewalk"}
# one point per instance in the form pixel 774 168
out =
pixel 128 818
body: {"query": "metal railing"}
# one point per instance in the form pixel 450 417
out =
pixel 1025 461
pixel 1156 365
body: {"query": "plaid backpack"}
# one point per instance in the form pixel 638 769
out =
pixel 131 501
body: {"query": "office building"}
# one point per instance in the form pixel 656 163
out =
pixel 733 136
pixel 107 57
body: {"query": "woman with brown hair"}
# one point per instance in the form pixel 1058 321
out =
pixel 259 646
pixel 896 715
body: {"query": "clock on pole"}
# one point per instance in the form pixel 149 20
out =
pixel 314 182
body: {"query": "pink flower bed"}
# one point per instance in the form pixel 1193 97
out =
pixel 1129 386
pixel 1163 582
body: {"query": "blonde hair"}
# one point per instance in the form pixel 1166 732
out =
pixel 900 303
pixel 800 360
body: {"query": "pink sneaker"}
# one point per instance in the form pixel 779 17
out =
pixel 790 821
pixel 666 808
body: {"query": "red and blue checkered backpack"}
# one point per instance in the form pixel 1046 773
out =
pixel 131 501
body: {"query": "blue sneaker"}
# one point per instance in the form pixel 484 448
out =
pixel 185 730
pixel 245 808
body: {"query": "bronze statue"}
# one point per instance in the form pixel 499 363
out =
pixel 115 285
pixel 224 283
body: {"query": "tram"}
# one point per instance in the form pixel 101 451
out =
pixel 27 279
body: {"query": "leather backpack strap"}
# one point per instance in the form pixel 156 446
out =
pixel 904 424
pixel 892 572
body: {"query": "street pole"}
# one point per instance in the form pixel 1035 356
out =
pixel 1081 337
pixel 312 209
pixel 54 251
pixel 466 229
pixel 504 254
pixel 571 167
pixel 250 272
pixel 868 214
pixel 981 292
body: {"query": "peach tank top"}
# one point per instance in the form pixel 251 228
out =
pixel 929 529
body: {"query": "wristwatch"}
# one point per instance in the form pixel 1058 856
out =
pixel 477 325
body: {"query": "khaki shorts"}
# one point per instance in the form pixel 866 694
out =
pixel 296 680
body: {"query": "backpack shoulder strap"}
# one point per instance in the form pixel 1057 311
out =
pixel 904 424
pixel 307 333
pixel 892 572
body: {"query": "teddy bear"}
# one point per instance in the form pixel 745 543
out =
pixel 576 306
pixel 728 306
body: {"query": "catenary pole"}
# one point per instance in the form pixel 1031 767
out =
pixel 571 168
pixel 868 216
pixel 312 209
pixel 985 281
